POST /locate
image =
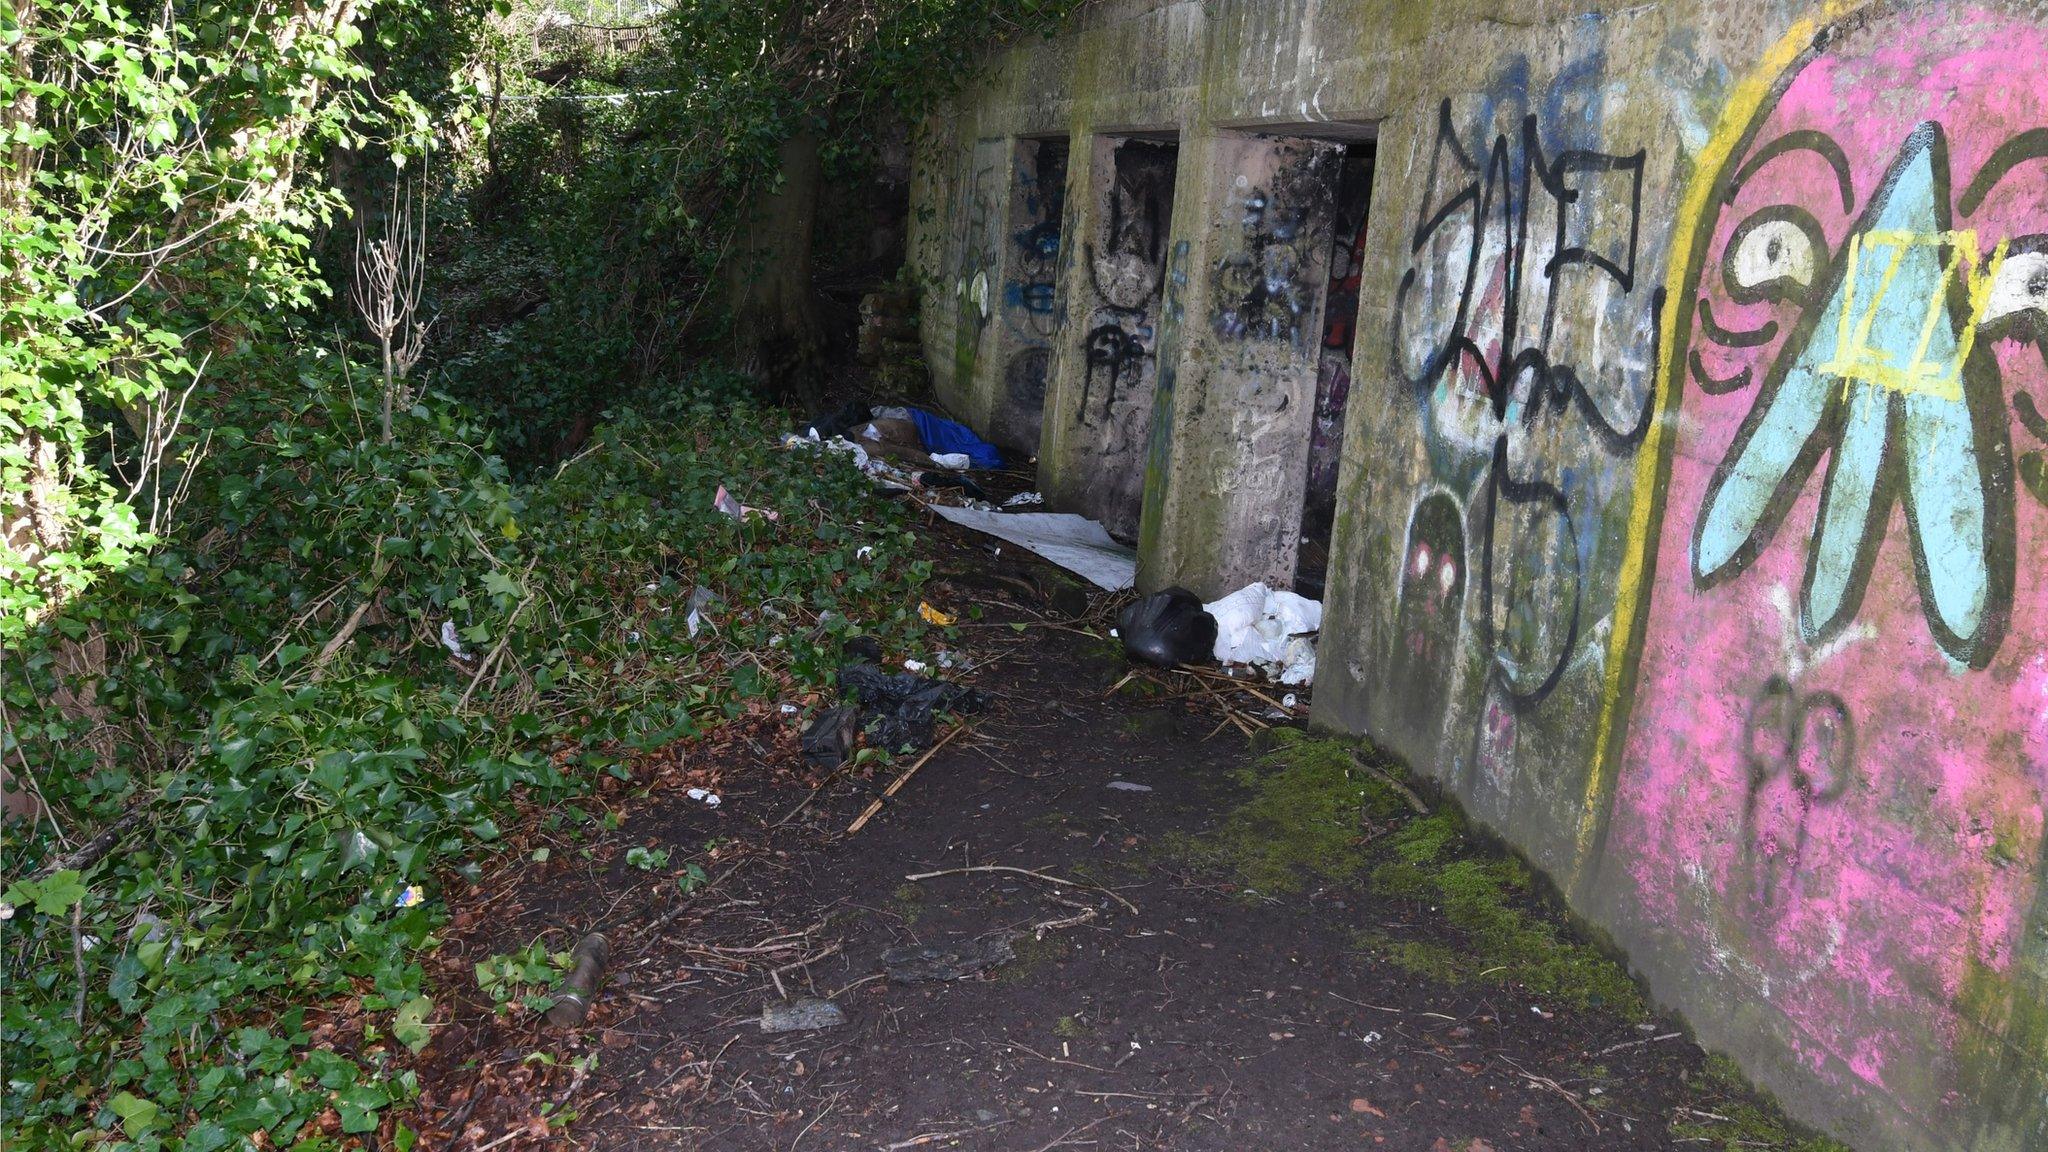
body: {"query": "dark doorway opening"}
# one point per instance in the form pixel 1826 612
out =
pixel 1333 373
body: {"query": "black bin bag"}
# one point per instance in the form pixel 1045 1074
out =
pixel 1167 628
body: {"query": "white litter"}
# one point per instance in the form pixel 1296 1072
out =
pixel 1127 786
pixel 955 461
pixel 1023 500
pixel 1269 630
pixel 452 640
pixel 704 796
pixel 913 666
pixel 1078 544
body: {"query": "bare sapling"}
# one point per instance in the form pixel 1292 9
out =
pixel 390 271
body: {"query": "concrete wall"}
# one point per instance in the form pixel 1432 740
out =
pixel 1693 514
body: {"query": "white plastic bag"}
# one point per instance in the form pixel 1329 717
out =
pixel 1270 630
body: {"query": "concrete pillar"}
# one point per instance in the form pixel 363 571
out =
pixel 1106 363
pixel 1233 463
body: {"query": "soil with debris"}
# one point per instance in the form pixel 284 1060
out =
pixel 1078 984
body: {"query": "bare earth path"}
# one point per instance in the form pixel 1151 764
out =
pixel 1206 1019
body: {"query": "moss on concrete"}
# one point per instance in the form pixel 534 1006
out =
pixel 1722 1111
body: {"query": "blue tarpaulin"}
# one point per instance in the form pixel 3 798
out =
pixel 941 436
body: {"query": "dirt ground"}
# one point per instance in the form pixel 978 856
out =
pixel 1148 1005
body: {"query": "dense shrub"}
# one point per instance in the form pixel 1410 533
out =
pixel 276 702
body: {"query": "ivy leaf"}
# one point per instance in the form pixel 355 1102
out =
pixel 410 1024
pixel 137 1115
pixel 53 895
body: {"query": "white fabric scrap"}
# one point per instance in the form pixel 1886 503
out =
pixel 1078 544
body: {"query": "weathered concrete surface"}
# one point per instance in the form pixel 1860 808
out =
pixel 1693 513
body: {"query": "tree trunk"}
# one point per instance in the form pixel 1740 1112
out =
pixel 777 336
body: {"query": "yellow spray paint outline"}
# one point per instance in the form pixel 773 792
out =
pixel 1744 105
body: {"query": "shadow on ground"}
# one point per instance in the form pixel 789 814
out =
pixel 1256 947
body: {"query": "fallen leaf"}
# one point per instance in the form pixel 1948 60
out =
pixel 1363 1105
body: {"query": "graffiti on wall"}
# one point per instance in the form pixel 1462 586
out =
pixel 1029 297
pixel 1527 332
pixel 1126 270
pixel 1830 770
pixel 1125 263
pixel 980 252
pixel 1266 278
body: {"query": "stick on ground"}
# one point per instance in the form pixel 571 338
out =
pixel 861 821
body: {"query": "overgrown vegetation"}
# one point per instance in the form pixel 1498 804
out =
pixel 329 683
pixel 646 199
pixel 1313 811
pixel 277 664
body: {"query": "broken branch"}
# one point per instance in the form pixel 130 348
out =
pixel 1023 872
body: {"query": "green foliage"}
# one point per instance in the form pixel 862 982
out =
pixel 646 859
pixel 523 978
pixel 275 697
pixel 581 247
pixel 152 223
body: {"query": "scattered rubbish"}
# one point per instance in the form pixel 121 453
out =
pixel 932 964
pixel 452 641
pixel 897 710
pixel 725 503
pixel 1127 786
pixel 1287 701
pixel 1269 630
pixel 704 796
pixel 837 444
pixel 913 665
pixel 941 435
pixel 1024 500
pixel 932 615
pixel 829 740
pixel 842 420
pixel 806 1015
pixel 587 963
pixel 1168 628
pixel 700 599
pixel 412 896
pixel 1080 545
pixel 789 709
pixel 898 432
pixel 1370 1038
pixel 951 481
pixel 953 461
pixel 864 552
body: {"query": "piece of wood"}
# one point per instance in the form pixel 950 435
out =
pixel 896 785
pixel 1387 778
